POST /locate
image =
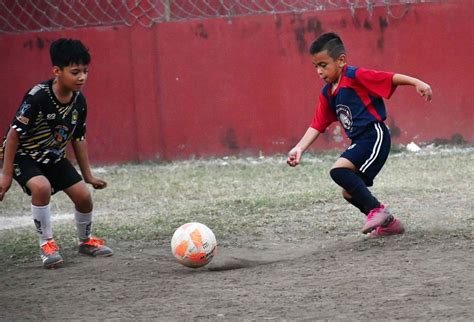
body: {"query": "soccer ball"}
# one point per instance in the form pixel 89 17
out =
pixel 193 244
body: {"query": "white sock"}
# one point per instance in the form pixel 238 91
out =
pixel 83 224
pixel 42 219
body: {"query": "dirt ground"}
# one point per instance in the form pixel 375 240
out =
pixel 421 275
pixel 308 263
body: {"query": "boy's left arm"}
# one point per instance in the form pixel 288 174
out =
pixel 82 157
pixel 421 87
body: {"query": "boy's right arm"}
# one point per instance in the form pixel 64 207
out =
pixel 294 156
pixel 11 146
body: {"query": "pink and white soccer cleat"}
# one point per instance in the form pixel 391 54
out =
pixel 395 227
pixel 376 217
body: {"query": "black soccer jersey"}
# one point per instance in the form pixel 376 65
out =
pixel 45 125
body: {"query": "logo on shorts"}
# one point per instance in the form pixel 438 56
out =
pixel 345 116
pixel 17 170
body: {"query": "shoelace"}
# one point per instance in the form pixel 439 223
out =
pixel 94 242
pixel 50 247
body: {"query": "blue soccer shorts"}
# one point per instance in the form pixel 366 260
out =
pixel 369 151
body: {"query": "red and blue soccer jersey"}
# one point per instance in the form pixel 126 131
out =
pixel 357 102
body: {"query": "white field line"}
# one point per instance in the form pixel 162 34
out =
pixel 14 222
pixel 24 221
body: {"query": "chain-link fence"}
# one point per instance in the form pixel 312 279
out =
pixel 36 15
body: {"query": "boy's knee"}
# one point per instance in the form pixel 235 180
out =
pixel 338 174
pixel 83 202
pixel 346 194
pixel 39 187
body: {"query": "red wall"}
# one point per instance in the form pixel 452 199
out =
pixel 220 87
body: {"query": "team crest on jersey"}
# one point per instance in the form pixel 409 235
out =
pixel 51 116
pixel 61 133
pixel 74 117
pixel 344 115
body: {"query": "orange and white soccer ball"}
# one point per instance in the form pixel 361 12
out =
pixel 193 244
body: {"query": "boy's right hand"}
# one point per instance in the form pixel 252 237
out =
pixel 5 183
pixel 294 156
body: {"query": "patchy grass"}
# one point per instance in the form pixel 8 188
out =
pixel 257 198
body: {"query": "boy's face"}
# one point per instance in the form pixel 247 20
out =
pixel 329 69
pixel 72 77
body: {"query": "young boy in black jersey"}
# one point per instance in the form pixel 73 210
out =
pixel 51 115
pixel 354 96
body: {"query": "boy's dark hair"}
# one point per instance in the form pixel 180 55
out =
pixel 65 52
pixel 329 41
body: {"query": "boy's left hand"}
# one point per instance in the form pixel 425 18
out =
pixel 97 183
pixel 424 90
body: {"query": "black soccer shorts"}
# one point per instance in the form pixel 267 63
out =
pixel 369 151
pixel 61 175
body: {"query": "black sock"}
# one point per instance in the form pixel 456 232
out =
pixel 357 205
pixel 356 187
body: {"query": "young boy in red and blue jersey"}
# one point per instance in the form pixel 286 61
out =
pixel 354 96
